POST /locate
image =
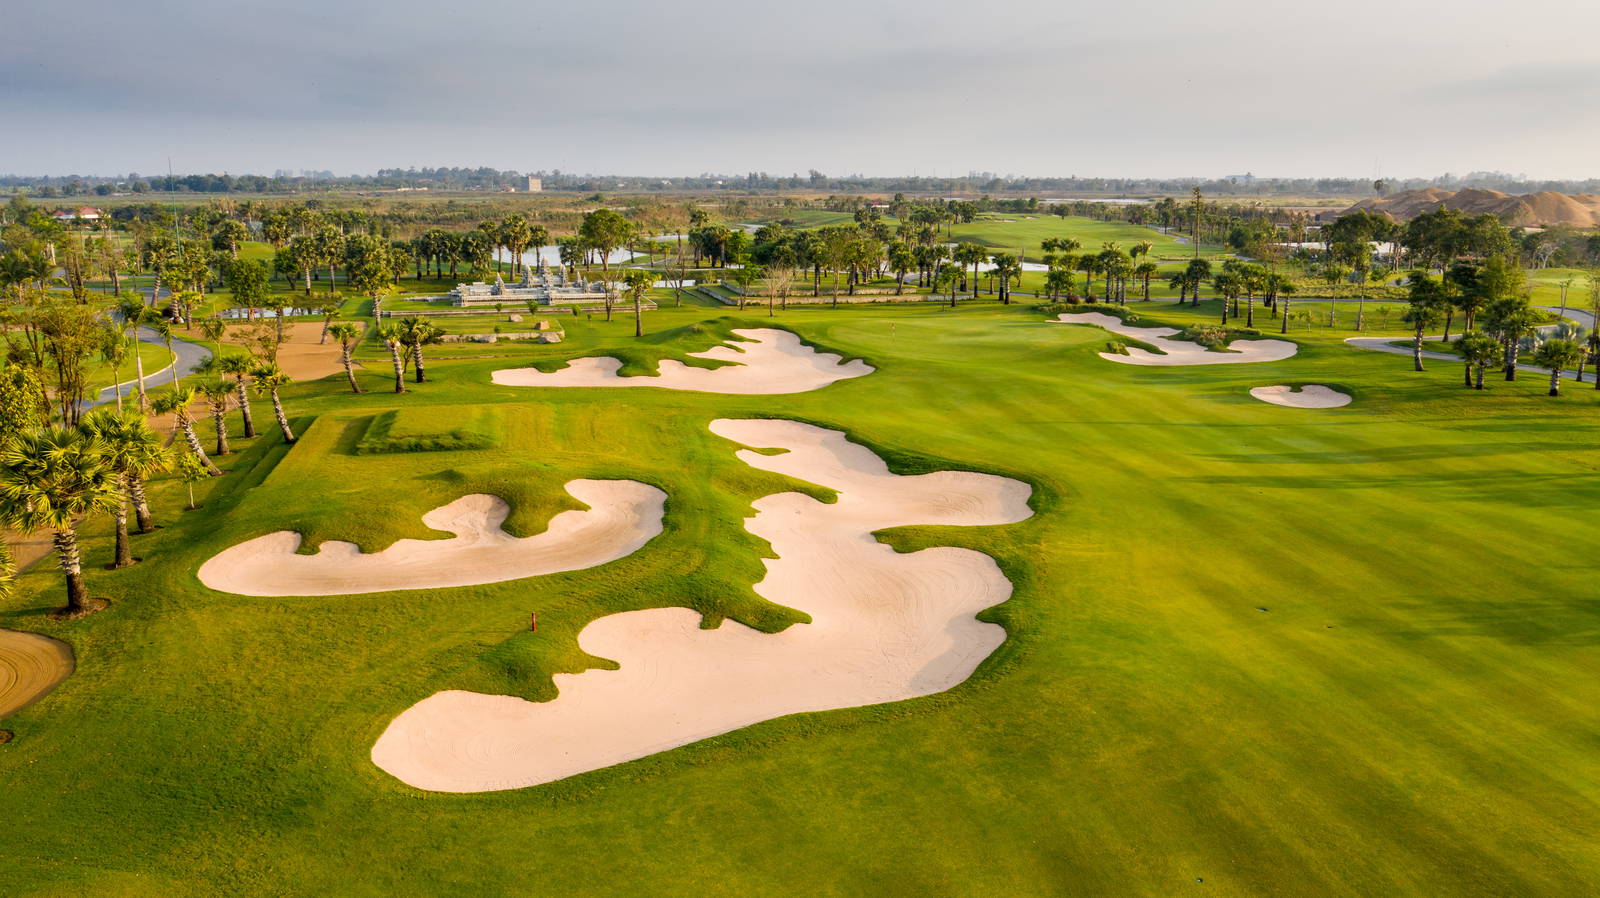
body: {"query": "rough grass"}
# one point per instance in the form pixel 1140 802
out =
pixel 1413 711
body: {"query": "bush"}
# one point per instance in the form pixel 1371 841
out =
pixel 433 429
pixel 1116 347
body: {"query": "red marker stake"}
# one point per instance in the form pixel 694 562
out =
pixel 533 621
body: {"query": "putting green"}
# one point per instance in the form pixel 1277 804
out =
pixel 1285 652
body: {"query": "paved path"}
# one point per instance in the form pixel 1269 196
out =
pixel 187 355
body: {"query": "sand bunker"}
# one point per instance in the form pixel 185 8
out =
pixel 777 362
pixel 30 666
pixel 1179 352
pixel 885 627
pixel 623 515
pixel 1308 396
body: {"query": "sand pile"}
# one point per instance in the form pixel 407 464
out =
pixel 1308 396
pixel 776 362
pixel 622 516
pixel 1178 352
pixel 885 627
pixel 30 666
pixel 301 356
pixel 1541 209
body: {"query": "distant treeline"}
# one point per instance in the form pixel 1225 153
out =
pixel 489 179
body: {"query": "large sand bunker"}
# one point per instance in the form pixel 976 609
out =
pixel 30 666
pixel 1178 352
pixel 777 362
pixel 622 516
pixel 1308 396
pixel 885 626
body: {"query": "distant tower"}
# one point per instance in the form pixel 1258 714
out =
pixel 535 185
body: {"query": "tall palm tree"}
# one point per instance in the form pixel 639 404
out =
pixel 390 335
pixel 163 326
pixel 1426 309
pixel 268 378
pixel 217 392
pixel 177 401
pixel 1007 268
pixel 1286 289
pixel 50 479
pixel 134 451
pixel 639 281
pixel 346 334
pixel 1144 272
pixel 415 332
pixel 114 348
pixel 973 255
pixel 1557 354
pixel 1090 265
pixel 515 234
pixel 238 367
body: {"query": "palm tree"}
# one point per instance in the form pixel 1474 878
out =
pixel 346 334
pixel 415 332
pixel 217 392
pixel 177 402
pixel 51 479
pixel 163 326
pixel 214 329
pixel 902 259
pixel 949 273
pixel 515 233
pixel 1286 289
pixel 972 254
pixel 1196 273
pixel 238 367
pixel 114 347
pixel 390 335
pixel 639 281
pixel 1425 310
pixel 1478 352
pixel 1089 264
pixel 1230 286
pixel 1144 272
pixel 1557 354
pixel 134 451
pixel 268 378
pixel 1006 269
pixel 1511 318
pixel 132 310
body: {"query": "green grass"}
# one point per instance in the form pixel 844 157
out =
pixel 1413 711
pixel 433 430
pixel 1020 233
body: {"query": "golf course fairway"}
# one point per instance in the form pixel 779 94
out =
pixel 1246 650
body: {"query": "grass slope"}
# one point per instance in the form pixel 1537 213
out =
pixel 1285 651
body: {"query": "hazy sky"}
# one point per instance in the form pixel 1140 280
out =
pixel 1048 87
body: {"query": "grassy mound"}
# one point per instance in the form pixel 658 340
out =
pixel 433 429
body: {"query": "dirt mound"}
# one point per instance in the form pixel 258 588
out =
pixel 1542 209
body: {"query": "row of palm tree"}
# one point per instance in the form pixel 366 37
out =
pixel 56 478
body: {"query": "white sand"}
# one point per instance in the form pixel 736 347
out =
pixel 622 516
pixel 777 362
pixel 886 627
pixel 30 666
pixel 1308 396
pixel 1178 352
